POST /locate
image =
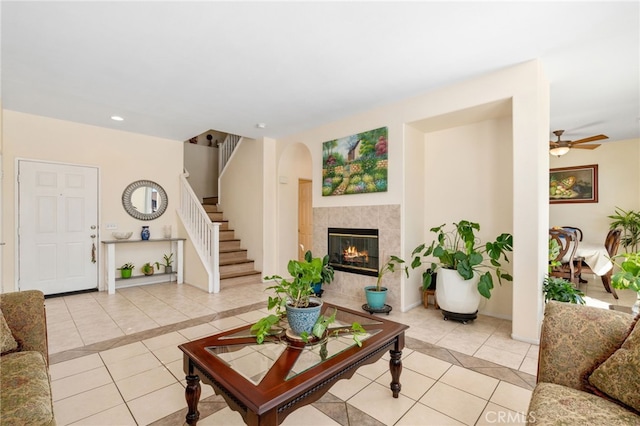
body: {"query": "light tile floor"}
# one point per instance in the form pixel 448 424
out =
pixel 115 361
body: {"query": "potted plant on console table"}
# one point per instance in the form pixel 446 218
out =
pixel 294 300
pixel 461 260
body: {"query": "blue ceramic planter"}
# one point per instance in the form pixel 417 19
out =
pixel 303 319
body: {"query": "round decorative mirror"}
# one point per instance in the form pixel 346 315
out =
pixel 145 200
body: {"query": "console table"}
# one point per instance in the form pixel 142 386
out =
pixel 177 247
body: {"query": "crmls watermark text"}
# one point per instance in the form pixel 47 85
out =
pixel 509 417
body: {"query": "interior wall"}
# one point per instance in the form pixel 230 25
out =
pixel 416 202
pixel 464 187
pixel 618 186
pixel 294 164
pixel 526 86
pixel 121 157
pixel 243 206
pixel 202 164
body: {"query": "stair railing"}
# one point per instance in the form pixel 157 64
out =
pixel 204 234
pixel 226 148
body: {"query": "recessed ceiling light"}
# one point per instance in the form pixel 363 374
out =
pixel 117 118
pixel 261 125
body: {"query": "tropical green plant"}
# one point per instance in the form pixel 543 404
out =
pixel 461 250
pixel 128 266
pixel 327 272
pixel 167 261
pixel 556 288
pixel 147 268
pixel 628 275
pixel 297 292
pixel 629 221
pixel 391 265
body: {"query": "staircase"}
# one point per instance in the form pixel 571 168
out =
pixel 235 268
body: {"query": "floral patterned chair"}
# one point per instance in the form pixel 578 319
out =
pixel 25 391
pixel 588 368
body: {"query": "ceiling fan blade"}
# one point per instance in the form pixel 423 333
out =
pixel 589 139
pixel 553 144
pixel 586 146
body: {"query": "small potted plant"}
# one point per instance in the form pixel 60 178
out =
pixel 147 269
pixel 377 295
pixel 125 270
pixel 167 262
pixel 464 267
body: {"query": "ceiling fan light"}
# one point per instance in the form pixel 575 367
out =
pixel 559 150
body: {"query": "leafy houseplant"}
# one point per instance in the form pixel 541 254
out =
pixel 391 265
pixel 167 262
pixel 459 249
pixel 557 288
pixel 326 274
pixel 147 269
pixel 296 292
pixel 629 221
pixel 125 270
pixel 628 276
pixel 377 295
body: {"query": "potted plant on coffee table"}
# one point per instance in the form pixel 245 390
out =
pixel 294 300
pixel 464 267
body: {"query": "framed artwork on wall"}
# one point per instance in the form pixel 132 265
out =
pixel 355 164
pixel 578 184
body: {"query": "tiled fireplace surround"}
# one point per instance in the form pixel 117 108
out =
pixel 385 218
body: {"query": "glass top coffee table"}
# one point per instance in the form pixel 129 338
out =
pixel 267 382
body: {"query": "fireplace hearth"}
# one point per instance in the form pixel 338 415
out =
pixel 354 250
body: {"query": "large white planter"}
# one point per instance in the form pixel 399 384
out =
pixel 455 294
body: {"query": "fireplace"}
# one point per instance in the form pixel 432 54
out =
pixel 354 250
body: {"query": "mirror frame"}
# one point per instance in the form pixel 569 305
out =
pixel 128 206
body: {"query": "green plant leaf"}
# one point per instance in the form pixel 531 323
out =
pixel 485 285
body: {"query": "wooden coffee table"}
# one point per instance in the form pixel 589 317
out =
pixel 265 383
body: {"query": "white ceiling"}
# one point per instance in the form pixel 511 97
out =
pixel 177 69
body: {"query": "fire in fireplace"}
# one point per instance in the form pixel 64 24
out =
pixel 354 250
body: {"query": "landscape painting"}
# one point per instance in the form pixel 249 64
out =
pixel 355 164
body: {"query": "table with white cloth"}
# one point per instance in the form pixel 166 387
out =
pixel 596 256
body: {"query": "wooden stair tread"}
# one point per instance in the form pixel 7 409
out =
pixel 239 274
pixel 232 250
pixel 235 262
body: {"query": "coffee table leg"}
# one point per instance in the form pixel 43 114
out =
pixel 192 394
pixel 395 366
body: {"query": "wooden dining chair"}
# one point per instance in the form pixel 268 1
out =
pixel 565 264
pixel 611 243
pixel 578 231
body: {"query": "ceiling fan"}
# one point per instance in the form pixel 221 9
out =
pixel 561 147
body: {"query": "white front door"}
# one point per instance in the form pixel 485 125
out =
pixel 57 227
